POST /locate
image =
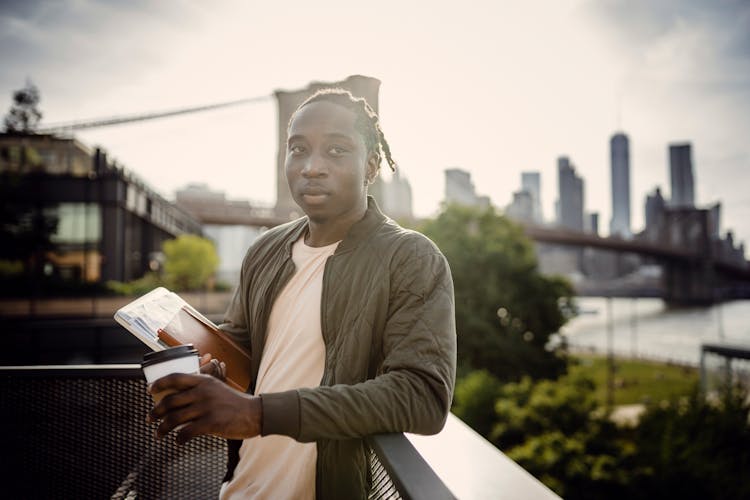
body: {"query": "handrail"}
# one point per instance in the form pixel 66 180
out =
pixel 52 397
pixel 413 477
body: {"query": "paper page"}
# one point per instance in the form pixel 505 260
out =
pixel 146 315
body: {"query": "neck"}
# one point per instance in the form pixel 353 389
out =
pixel 326 232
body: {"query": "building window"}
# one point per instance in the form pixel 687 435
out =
pixel 141 204
pixel 130 199
pixel 78 223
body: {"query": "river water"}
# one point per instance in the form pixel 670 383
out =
pixel 647 328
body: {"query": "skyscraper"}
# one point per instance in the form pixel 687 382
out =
pixel 654 212
pixel 654 208
pixel 397 197
pixel 681 175
pixel 619 149
pixel 459 188
pixel 592 222
pixel 531 183
pixel 522 207
pixel 570 195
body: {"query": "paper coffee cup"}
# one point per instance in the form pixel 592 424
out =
pixel 179 359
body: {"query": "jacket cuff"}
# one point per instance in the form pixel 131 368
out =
pixel 281 413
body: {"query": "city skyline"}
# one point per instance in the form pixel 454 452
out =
pixel 495 89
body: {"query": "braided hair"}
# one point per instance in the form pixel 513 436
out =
pixel 367 122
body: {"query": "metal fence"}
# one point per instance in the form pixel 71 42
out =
pixel 722 366
pixel 80 432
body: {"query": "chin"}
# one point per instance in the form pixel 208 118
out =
pixel 314 212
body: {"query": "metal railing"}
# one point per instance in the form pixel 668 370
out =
pixel 80 432
pixel 723 365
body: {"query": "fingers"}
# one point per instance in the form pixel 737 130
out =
pixel 194 429
pixel 212 408
pixel 209 367
pixel 176 382
pixel 215 368
pixel 171 403
pixel 178 417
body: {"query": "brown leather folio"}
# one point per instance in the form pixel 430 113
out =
pixel 188 327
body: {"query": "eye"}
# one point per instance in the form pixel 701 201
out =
pixel 336 150
pixel 296 149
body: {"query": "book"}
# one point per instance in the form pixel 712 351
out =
pixel 162 319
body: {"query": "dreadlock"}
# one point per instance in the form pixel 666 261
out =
pixel 367 123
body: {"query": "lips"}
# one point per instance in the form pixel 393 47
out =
pixel 313 191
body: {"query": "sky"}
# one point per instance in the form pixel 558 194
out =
pixel 495 88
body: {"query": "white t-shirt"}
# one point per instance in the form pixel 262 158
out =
pixel 278 467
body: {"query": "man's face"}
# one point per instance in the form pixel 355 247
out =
pixel 327 162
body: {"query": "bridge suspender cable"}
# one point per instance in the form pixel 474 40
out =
pixel 118 120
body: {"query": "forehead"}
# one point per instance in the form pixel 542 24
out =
pixel 324 118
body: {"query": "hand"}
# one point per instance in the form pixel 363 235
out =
pixel 204 405
pixel 214 367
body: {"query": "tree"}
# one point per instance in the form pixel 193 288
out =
pixel 189 262
pixel 474 400
pixel 26 227
pixel 552 429
pixel 24 115
pixel 506 310
pixel 696 447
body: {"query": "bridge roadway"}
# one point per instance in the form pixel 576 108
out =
pixel 692 273
pixel 613 243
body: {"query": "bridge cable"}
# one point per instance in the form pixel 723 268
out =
pixel 118 120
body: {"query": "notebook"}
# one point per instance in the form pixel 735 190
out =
pixel 162 319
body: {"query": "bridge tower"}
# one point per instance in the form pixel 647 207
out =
pixel 287 101
pixel 691 281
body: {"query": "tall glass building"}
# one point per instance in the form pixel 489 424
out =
pixel 570 195
pixel 619 148
pixel 681 175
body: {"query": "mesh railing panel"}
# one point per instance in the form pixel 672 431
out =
pixel 382 485
pixel 86 437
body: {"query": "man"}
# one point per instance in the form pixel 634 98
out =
pixel 349 319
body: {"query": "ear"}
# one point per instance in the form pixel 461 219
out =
pixel 373 167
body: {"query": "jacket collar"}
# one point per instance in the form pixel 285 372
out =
pixel 362 229
pixel 358 233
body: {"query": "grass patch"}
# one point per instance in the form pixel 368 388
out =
pixel 637 381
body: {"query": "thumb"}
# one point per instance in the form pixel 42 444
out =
pixel 206 358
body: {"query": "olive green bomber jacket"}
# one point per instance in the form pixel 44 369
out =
pixel 388 323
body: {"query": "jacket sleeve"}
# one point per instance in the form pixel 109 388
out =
pixel 414 386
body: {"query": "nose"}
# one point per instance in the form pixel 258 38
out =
pixel 314 166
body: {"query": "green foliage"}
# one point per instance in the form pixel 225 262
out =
pixel 474 400
pixel 189 262
pixel 10 267
pixel 636 380
pixel 26 229
pixel 505 309
pixel 552 429
pixel 696 448
pixel 141 286
pixel 526 409
pixel 556 430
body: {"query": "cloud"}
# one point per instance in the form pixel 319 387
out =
pixel 689 41
pixel 78 48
